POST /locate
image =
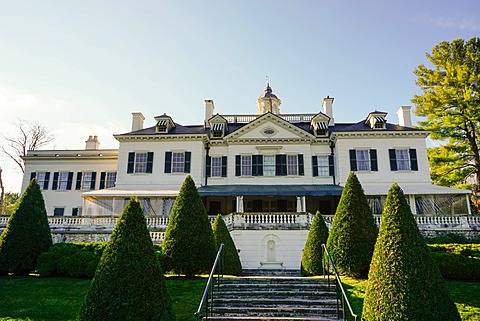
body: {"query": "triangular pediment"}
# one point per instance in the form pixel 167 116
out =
pixel 217 119
pixel 269 126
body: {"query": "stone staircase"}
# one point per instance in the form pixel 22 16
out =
pixel 275 298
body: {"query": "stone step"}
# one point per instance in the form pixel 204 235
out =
pixel 274 302
pixel 297 293
pixel 278 311
pixel 270 272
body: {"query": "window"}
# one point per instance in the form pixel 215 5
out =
pixel 43 179
pixel 177 162
pixel 217 130
pixel 76 211
pixel 62 181
pixel 141 162
pixel 246 165
pixel 58 211
pixel 216 166
pixel 321 166
pixel 86 180
pixel 403 159
pixel 292 165
pixel 108 179
pixel 269 165
pixel 363 160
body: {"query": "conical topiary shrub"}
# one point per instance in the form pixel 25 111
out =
pixel 188 246
pixel 353 233
pixel 231 261
pixel 312 259
pixel 404 282
pixel 26 235
pixel 129 282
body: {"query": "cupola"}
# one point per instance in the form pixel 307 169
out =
pixel 268 102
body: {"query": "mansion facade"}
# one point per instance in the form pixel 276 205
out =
pixel 267 173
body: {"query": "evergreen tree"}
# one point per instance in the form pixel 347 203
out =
pixel 27 233
pixel 129 282
pixel 231 261
pixel 353 232
pixel 188 246
pixel 404 282
pixel 312 259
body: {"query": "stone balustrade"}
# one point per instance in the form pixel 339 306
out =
pixel 101 226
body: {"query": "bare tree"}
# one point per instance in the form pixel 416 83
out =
pixel 30 136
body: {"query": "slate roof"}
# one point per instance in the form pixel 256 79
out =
pixel 306 126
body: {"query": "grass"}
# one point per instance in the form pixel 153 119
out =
pixel 464 294
pixel 52 299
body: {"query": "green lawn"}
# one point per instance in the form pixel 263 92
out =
pixel 464 294
pixel 35 298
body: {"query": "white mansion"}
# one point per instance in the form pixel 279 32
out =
pixel 266 172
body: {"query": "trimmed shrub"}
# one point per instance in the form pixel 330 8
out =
pixel 188 246
pixel 404 282
pixel 26 235
pixel 457 266
pixel 231 261
pixel 447 238
pixel 70 259
pixel 353 233
pixel 312 260
pixel 129 282
pixel 467 250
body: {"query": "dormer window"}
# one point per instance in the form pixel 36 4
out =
pixel 379 122
pixel 321 128
pixel 217 130
pixel 376 120
pixel 162 126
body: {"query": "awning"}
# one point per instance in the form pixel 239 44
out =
pixel 217 127
pixel 270 190
pixel 413 189
pixel 321 125
pixel 162 122
pixel 380 119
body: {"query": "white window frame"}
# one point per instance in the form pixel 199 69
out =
pixel 292 165
pixel 269 168
pixel 40 176
pixel 402 156
pixel 110 179
pixel 323 165
pixel 216 166
pixel 140 164
pixel 86 180
pixel 178 162
pixel 62 181
pixel 246 165
pixel 363 164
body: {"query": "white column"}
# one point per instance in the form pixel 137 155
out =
pixel 413 208
pixel 299 204
pixel 469 209
pixel 304 204
pixel 240 204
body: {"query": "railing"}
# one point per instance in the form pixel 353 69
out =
pixel 204 309
pixel 338 283
pixel 287 117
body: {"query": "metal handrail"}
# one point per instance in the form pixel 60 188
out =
pixel 204 303
pixel 339 283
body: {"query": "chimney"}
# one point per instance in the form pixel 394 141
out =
pixel 328 109
pixel 404 117
pixel 209 108
pixel 92 143
pixel 137 121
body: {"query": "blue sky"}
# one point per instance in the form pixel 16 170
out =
pixel 81 67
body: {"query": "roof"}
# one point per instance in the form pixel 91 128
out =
pixel 270 190
pixel 413 189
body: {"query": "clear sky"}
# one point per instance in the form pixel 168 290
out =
pixel 81 67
